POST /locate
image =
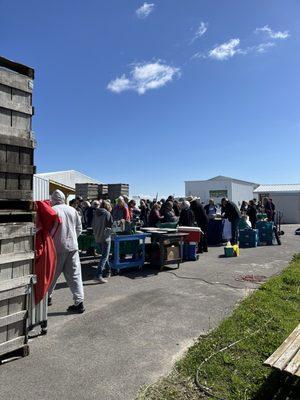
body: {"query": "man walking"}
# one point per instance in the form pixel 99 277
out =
pixel 66 245
pixel 102 224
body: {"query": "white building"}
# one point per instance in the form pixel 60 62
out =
pixel 221 186
pixel 286 198
pixel 44 184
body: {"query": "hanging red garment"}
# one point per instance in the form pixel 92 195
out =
pixel 45 254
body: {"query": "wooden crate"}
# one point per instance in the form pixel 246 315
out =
pixel 16 85
pixel 87 190
pixel 118 189
pixel 16 250
pixel 16 139
pixel 102 190
pixel 14 302
pixel 16 168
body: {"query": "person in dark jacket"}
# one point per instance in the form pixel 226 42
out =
pixel 244 207
pixel 273 209
pixel 90 213
pixel 168 213
pixel 201 220
pixel 232 213
pixel 155 215
pixel 144 216
pixel 252 213
pixel 187 217
pixel 176 207
pixel 269 209
pixel 102 224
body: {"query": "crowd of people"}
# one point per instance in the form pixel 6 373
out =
pixel 100 215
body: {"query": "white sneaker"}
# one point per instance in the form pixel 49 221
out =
pixel 100 279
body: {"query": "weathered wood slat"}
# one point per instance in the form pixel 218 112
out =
pixel 17 67
pixel 23 195
pixel 12 345
pixel 13 318
pixel 10 294
pixel 16 81
pixel 293 366
pixel 17 169
pixel 16 230
pixel 11 105
pixel 288 354
pixel 21 139
pixel 282 348
pixel 9 258
pixel 15 283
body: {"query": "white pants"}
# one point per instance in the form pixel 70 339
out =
pixel 69 265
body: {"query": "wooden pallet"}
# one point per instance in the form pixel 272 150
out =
pixel 16 205
pixel 287 357
pixel 14 297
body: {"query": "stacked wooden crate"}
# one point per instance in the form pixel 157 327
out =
pixel 102 190
pixel 88 191
pixel 16 205
pixel 118 189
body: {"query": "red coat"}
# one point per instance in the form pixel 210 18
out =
pixel 45 254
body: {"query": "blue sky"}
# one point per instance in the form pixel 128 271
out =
pixel 155 93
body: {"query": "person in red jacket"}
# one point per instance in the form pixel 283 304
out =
pixel 47 222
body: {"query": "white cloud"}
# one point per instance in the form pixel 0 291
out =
pixel 272 34
pixel 143 77
pixel 118 85
pixel 145 10
pixel 202 28
pixel 263 47
pixel 225 50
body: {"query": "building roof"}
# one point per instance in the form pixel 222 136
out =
pixel 279 188
pixel 226 178
pixel 68 178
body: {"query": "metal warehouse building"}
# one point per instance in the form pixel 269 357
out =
pixel 221 186
pixel 286 199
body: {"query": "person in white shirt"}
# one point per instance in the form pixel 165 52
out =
pixel 66 245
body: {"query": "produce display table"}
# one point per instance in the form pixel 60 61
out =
pixel 120 242
pixel 167 248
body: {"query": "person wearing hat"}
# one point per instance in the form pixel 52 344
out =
pixel 66 245
pixel 201 219
pixel 187 217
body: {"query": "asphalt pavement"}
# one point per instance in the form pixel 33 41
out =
pixel 135 326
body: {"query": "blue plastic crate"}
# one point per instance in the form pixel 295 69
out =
pixel 264 226
pixel 248 234
pixel 248 238
pixel 190 251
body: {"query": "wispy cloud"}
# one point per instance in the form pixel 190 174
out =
pixel 231 48
pixel 145 10
pixel 225 50
pixel 201 30
pixel 143 77
pixel 263 47
pixel 272 34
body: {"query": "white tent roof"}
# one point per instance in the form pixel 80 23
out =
pixel 226 178
pixel 280 188
pixel 68 178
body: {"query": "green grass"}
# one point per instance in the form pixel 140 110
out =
pixel 238 373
